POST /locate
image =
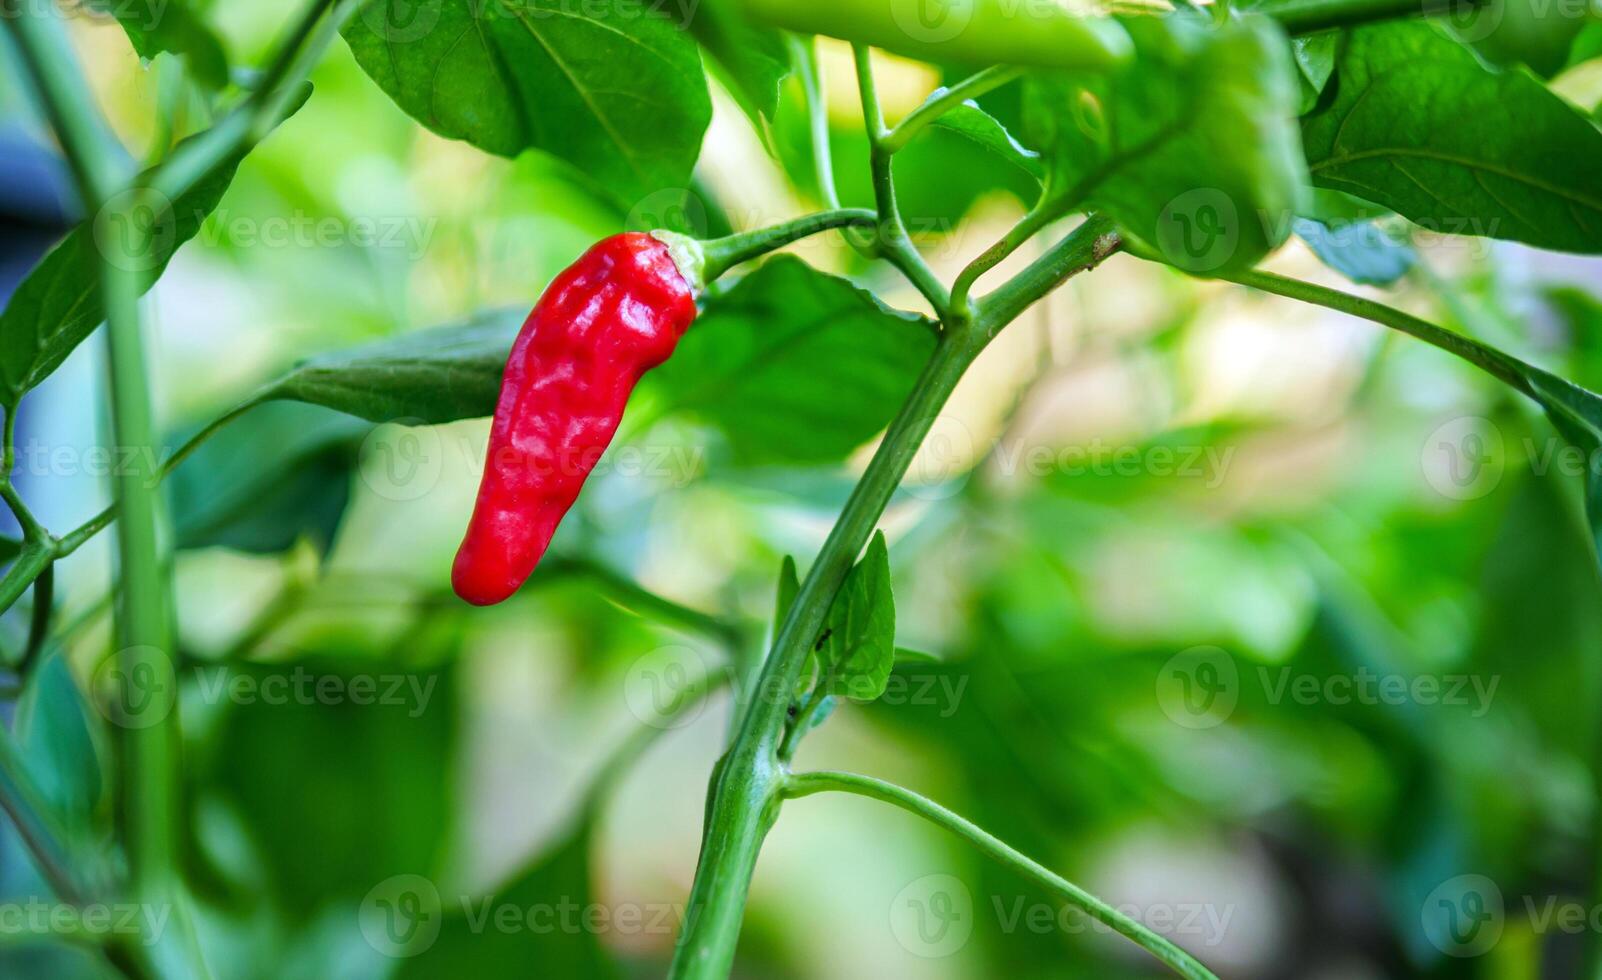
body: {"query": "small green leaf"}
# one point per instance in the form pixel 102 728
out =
pixel 1361 251
pixel 858 645
pixel 789 587
pixel 793 365
pixel 973 123
pixel 1315 63
pixel 154 26
pixel 614 89
pixel 1419 125
pixel 59 304
pixel 425 377
pixel 905 655
pixel 1192 149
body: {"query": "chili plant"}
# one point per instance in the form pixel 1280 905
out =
pixel 1194 137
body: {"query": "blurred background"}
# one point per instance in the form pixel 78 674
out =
pixel 1273 629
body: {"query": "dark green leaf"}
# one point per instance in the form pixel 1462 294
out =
pixel 280 472
pixel 55 741
pixel 615 89
pixel 1361 251
pixel 973 123
pixel 753 60
pixel 1192 148
pixel 1418 125
pixel 341 772
pixel 795 366
pixel 427 377
pixel 858 647
pixel 470 943
pixel 59 304
pixel 155 26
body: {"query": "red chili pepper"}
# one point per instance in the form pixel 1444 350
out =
pixel 602 323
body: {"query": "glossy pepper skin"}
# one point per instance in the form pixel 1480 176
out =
pixel 602 323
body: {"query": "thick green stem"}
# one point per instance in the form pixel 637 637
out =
pixel 748 781
pixel 1084 248
pixel 1310 16
pixel 807 784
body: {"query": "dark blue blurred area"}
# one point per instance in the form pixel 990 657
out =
pixel 37 206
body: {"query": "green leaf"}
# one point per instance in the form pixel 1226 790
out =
pixel 1418 125
pixel 342 772
pixel 793 365
pixel 55 742
pixel 469 944
pixel 1191 149
pixel 425 377
pixel 789 587
pixel 1315 63
pixel 858 645
pixel 615 89
pixel 752 60
pixel 154 26
pixel 973 123
pixel 275 475
pixel 59 304
pixel 1361 251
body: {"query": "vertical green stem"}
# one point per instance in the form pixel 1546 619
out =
pixel 147 708
pixel 748 782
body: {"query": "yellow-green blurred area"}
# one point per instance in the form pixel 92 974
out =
pixel 1277 631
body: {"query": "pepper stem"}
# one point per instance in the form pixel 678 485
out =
pixel 719 255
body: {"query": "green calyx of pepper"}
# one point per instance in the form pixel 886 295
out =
pixel 690 256
pixel 702 262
